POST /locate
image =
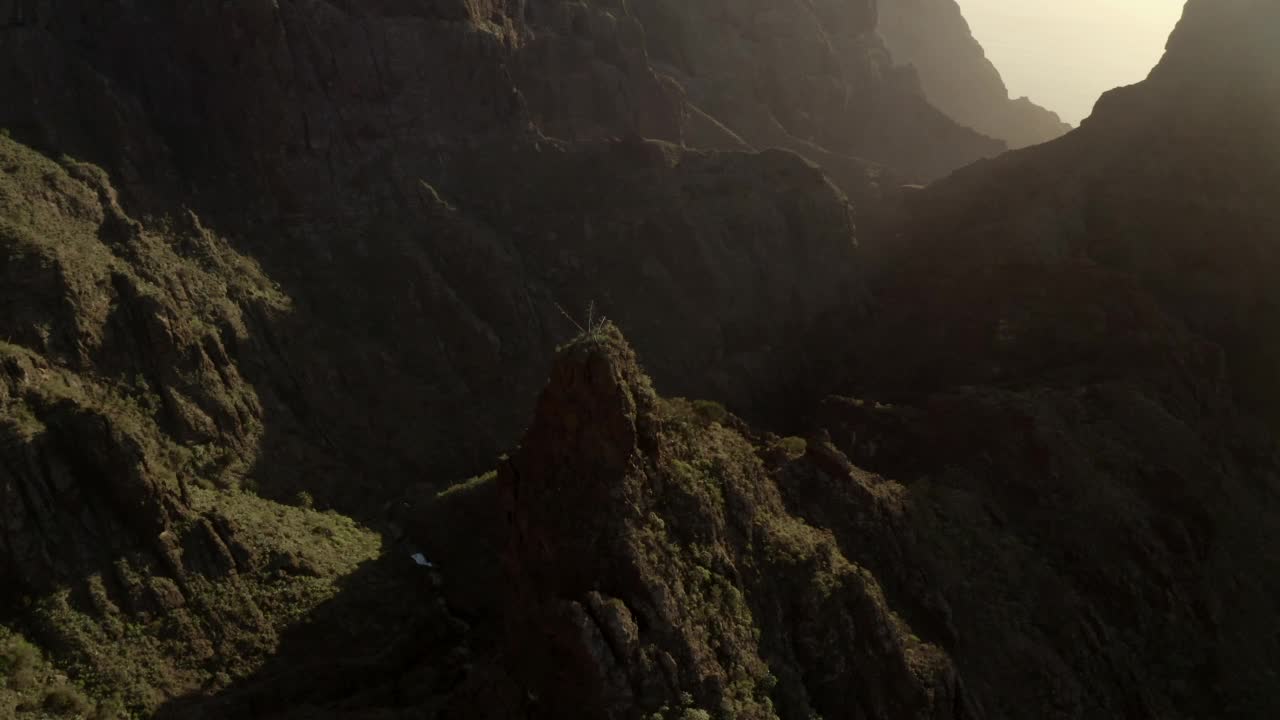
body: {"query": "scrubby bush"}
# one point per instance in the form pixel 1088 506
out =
pixel 112 708
pixel 696 413
pixel 710 411
pixel 793 446
pixel 66 701
pixel 19 661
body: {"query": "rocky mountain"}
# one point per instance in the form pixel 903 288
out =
pixel 313 136
pixel 339 256
pixel 956 76
pixel 431 250
pixel 337 245
pixel 656 567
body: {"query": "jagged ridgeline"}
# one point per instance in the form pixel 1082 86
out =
pixel 276 276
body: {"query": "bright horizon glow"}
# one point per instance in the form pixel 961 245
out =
pixel 1064 55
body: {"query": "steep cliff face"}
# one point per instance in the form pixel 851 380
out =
pixel 810 77
pixel 585 72
pixel 316 96
pixel 956 76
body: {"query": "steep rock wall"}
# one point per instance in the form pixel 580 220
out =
pixel 933 37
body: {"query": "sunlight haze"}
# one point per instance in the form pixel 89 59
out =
pixel 1064 55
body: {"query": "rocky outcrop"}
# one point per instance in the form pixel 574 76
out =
pixel 933 37
pixel 655 569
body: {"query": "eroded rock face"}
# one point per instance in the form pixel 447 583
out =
pixel 933 37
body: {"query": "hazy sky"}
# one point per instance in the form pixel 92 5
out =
pixel 1063 54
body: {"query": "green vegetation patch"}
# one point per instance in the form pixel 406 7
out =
pixel 31 687
pixel 698 413
pixel 214 629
